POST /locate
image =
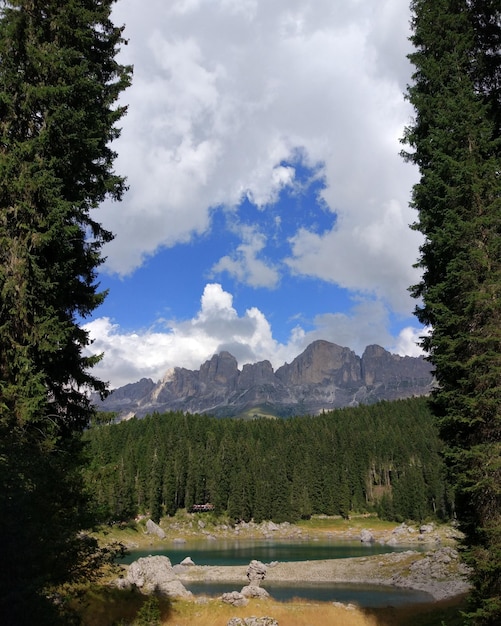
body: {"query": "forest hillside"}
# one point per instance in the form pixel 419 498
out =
pixel 383 457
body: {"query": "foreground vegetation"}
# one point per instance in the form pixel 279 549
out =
pixel 110 607
pixel 59 85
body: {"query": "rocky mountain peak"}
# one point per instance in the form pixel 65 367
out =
pixel 221 369
pixel 323 377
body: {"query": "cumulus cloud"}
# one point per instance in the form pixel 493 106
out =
pixel 409 340
pixel 231 100
pixel 225 93
pixel 244 263
pixel 217 326
pixel 187 343
pixel 371 257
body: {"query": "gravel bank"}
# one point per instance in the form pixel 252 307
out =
pixel 437 572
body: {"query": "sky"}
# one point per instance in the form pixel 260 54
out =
pixel 268 204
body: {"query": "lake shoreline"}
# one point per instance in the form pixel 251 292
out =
pixel 388 570
pixel 435 570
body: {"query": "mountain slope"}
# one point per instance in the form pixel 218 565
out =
pixel 323 377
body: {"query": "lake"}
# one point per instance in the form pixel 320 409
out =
pixel 241 552
pixel 369 596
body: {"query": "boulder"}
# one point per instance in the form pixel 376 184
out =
pixel 366 536
pixel 399 530
pixel 187 561
pixel 256 572
pixel 234 598
pixel 426 528
pixel 253 591
pixel 252 621
pixel 154 529
pixel 154 574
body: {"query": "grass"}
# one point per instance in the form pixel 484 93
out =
pixel 186 525
pixel 337 524
pixel 108 607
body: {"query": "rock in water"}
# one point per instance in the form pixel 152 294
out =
pixel 253 591
pixel 256 572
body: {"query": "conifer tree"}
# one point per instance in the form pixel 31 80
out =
pixel 456 143
pixel 59 85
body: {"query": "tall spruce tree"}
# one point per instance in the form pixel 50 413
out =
pixel 59 85
pixel 455 140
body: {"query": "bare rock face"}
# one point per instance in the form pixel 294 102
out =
pixel 154 574
pixel 393 374
pixel 321 361
pixel 129 395
pixel 220 370
pixel 324 377
pixel 256 374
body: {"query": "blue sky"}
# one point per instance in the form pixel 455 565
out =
pixel 268 204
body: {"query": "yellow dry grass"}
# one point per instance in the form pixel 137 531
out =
pixel 287 614
pixel 109 607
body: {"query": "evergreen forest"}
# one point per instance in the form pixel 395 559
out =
pixel 383 457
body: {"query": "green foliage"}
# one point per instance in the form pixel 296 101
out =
pixel 149 613
pixel 58 86
pixel 282 470
pixel 456 142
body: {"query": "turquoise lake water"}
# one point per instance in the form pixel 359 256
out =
pixel 372 596
pixel 241 552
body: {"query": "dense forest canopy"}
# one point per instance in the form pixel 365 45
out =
pixel 383 457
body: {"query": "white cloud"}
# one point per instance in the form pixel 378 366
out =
pixel 225 91
pixel 245 264
pixel 217 326
pixel 226 95
pixel 152 351
pixel 373 257
pixel 408 341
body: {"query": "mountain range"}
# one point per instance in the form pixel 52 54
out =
pixel 323 377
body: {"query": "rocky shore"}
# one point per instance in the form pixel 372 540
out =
pixel 437 571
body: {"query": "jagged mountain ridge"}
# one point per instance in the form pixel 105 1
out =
pixel 323 377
